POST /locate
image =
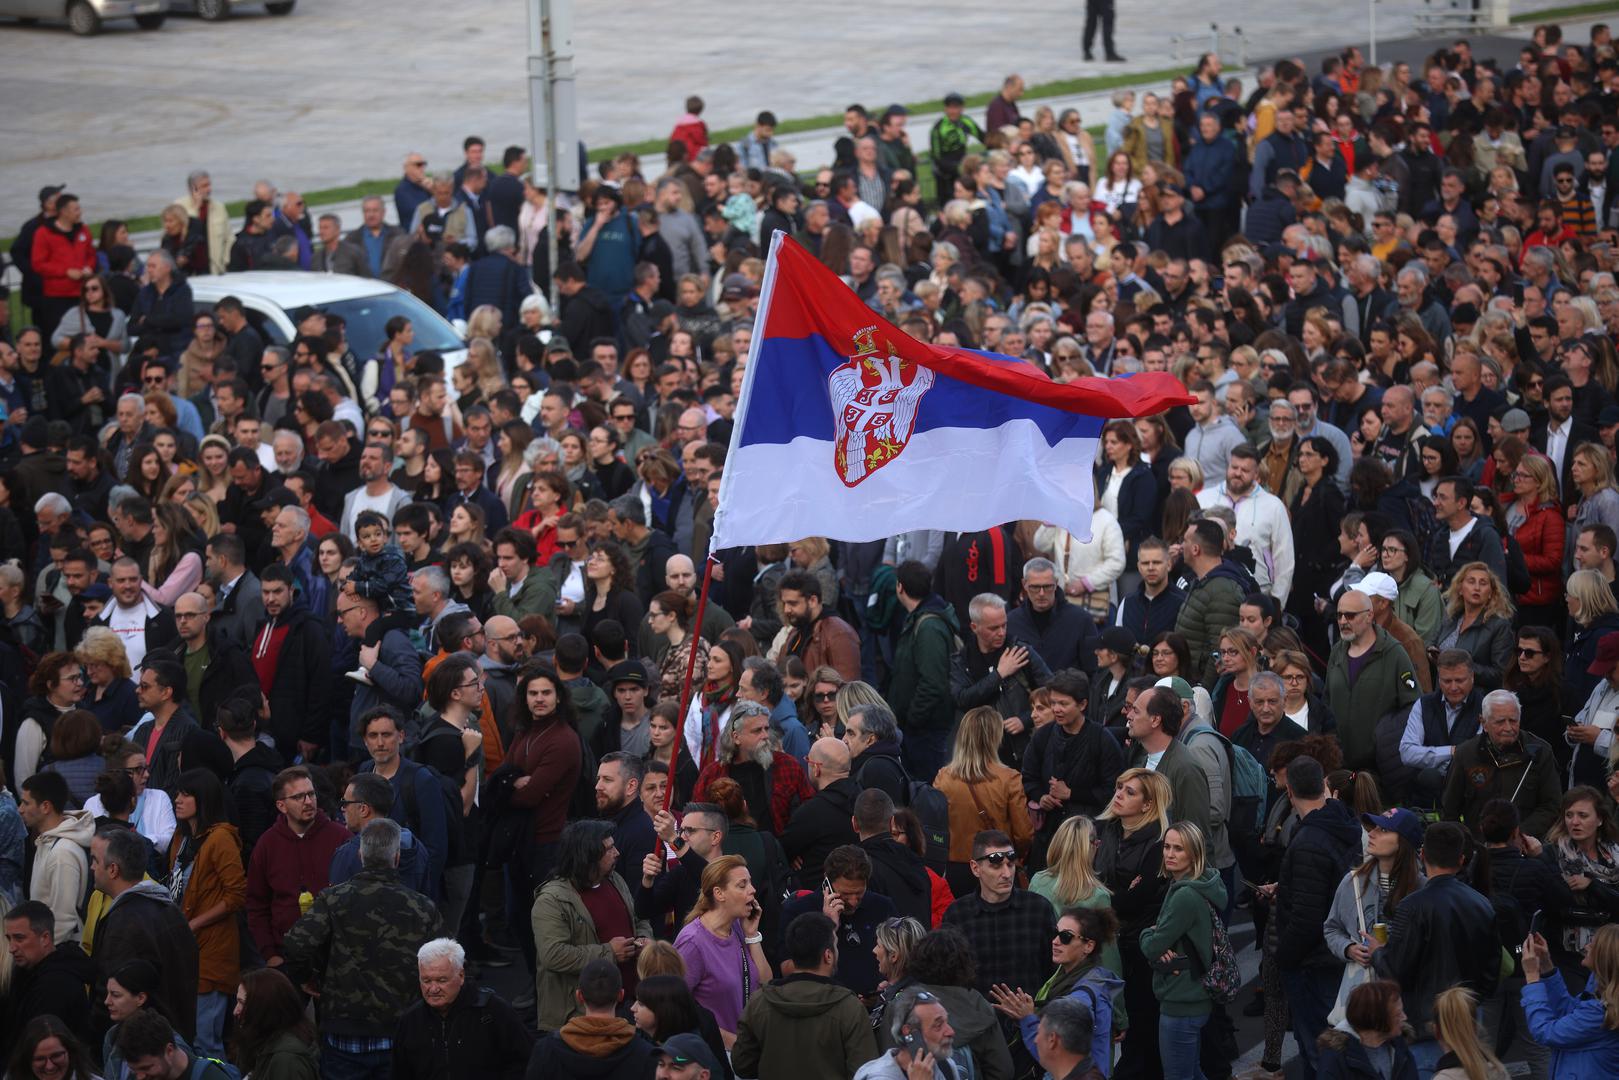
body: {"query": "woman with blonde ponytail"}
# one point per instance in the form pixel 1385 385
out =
pixel 1465 1056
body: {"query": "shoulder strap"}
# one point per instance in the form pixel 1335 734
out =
pixel 972 789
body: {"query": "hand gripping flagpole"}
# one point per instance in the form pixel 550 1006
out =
pixel 766 286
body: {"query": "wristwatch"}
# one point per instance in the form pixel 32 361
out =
pixel 753 939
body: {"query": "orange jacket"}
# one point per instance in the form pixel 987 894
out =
pixel 216 878
pixel 1006 808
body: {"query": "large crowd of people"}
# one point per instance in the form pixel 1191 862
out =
pixel 337 675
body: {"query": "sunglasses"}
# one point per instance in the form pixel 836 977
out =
pixel 1067 937
pixel 824 695
pixel 1531 652
pixel 997 859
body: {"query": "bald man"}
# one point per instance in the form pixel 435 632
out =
pixel 680 575
pixel 215 665
pixel 1399 446
pixel 823 822
pixel 504 652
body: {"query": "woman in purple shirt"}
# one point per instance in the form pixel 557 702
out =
pixel 722 946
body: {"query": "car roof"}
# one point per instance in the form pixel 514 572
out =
pixel 288 289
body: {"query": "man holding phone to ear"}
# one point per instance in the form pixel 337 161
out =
pixel 926 1042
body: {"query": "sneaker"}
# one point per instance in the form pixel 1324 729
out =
pixel 359 675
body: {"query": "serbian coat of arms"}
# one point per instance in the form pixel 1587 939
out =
pixel 874 403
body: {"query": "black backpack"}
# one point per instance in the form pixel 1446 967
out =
pixel 451 794
pixel 932 809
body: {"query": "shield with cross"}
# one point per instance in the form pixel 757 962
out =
pixel 875 397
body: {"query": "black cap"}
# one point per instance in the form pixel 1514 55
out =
pixel 1119 639
pixel 96 591
pixel 626 671
pixel 954 98
pixel 1464 313
pixel 50 191
pixel 1609 416
pixel 275 499
pixel 612 191
pixel 660 310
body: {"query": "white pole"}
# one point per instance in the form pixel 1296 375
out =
pixel 1371 14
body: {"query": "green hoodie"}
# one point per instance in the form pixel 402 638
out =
pixel 805 1026
pixel 1186 915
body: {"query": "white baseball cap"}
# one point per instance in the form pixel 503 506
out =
pixel 1378 583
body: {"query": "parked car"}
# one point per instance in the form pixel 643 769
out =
pixel 216 10
pixel 84 17
pixel 276 301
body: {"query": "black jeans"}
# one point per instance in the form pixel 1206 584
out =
pixel 1099 11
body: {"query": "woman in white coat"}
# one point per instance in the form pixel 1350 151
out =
pixel 1088 570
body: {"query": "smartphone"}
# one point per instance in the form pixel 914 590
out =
pixel 1537 923
pixel 826 885
pixel 908 1041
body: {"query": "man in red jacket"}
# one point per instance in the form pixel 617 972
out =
pixel 63 257
pixel 292 858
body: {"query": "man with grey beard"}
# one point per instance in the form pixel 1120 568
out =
pixel 773 784
pixel 1276 452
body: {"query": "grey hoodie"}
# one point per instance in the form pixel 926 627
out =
pixel 62 871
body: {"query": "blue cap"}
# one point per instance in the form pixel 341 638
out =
pixel 1399 820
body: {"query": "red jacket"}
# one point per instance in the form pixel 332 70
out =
pixel 1541 536
pixel 789 787
pixel 55 253
pixel 284 865
pixel 690 130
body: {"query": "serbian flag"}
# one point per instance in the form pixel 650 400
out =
pixel 848 428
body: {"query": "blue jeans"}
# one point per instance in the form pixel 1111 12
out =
pixel 1179 1038
pixel 211 1009
pixel 1310 993
pixel 338 1064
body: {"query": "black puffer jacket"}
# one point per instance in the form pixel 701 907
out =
pixel 879 767
pixel 1325 844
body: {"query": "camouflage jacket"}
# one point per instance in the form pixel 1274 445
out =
pixel 359 942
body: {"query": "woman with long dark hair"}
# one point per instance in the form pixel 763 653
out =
pixel 437 482
pixel 175 565
pixel 1368 894
pixel 273 1036
pixel 136 985
pixel 1315 513
pixel 47 1050
pixel 546 755
pixel 1536 676
pixel 664 1006
pixel 207 882
pixel 710 710
pixel 1420 606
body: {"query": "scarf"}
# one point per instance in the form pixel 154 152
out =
pixel 1062 982
pixel 717 697
pixel 1604 868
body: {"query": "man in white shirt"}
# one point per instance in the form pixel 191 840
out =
pixel 1262 522
pixel 1562 434
pixel 139 622
pixel 379 493
pixel 247 429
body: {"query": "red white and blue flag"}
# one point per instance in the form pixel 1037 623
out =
pixel 850 429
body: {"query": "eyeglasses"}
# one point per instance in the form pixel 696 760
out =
pixel 155 380
pixel 302 796
pixel 76 677
pixel 1048 587
pixel 997 859
pixel 344 804
pixel 136 770
pixel 1296 676
pixel 474 684
pixel 344 611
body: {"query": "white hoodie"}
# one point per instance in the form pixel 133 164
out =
pixel 61 876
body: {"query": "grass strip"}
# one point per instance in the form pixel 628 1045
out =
pixel 1572 11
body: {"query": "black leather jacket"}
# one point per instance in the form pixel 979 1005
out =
pixel 1443 934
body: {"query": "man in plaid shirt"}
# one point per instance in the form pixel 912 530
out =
pixel 1010 929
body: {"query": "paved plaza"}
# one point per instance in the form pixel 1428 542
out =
pixel 338 91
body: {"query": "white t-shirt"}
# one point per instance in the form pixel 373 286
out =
pixel 130 626
pixel 364 502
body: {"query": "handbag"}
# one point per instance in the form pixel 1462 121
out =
pixel 1354 974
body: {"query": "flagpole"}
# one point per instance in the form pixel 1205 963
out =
pixel 695 636
pixel 766 285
